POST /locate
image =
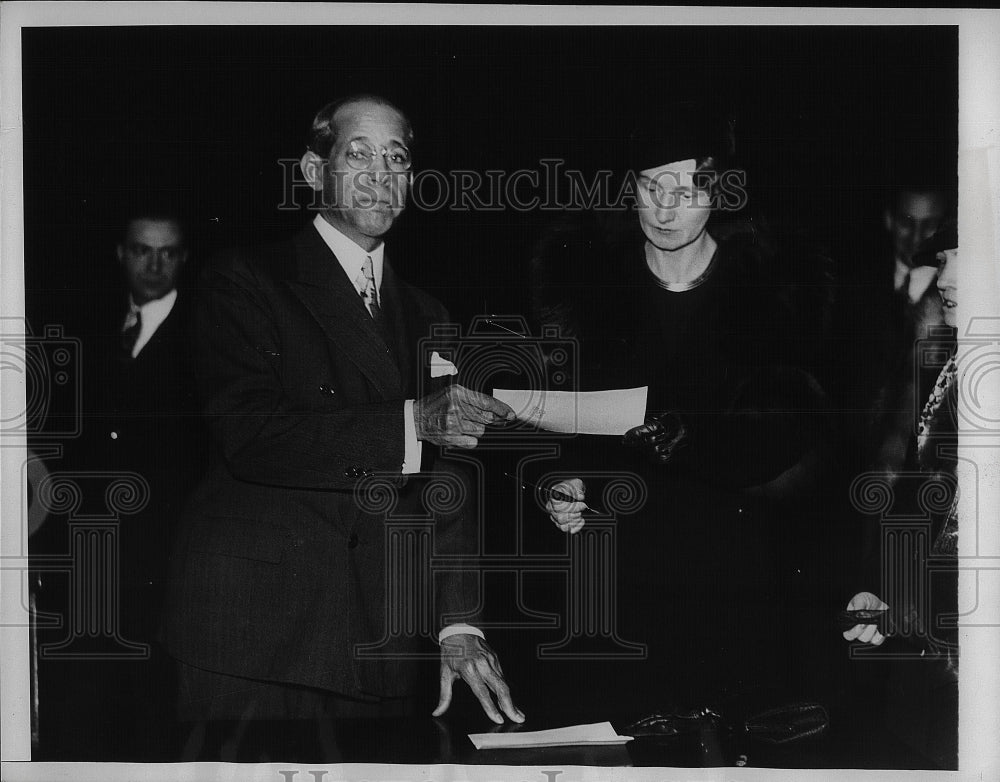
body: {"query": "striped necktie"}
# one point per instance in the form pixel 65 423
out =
pixel 369 292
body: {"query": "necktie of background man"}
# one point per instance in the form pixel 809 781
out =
pixel 130 334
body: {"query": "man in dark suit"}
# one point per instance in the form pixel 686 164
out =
pixel 150 411
pixel 141 417
pixel 310 377
pixel 914 212
pixel 152 427
pixel 913 216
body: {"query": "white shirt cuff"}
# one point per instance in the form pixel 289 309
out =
pixel 413 448
pixel 460 629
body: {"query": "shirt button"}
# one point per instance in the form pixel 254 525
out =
pixel 114 435
pixel 352 542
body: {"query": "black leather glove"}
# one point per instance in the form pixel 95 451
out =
pixel 660 437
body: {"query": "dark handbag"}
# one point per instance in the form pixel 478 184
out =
pixel 776 725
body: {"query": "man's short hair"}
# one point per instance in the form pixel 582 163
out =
pixel 919 186
pixel 323 134
pixel 154 211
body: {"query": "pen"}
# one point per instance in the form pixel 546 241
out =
pixel 504 328
pixel 848 619
pixel 555 494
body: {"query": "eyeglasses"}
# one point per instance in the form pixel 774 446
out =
pixel 137 251
pixel 361 156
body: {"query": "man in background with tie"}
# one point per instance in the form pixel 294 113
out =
pixel 148 397
pixel 140 416
pixel 151 254
pixel 155 429
pixel 912 216
pixel 319 403
pixel 913 213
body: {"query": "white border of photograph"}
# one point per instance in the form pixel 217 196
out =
pixel 979 207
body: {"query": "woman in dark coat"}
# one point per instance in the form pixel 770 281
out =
pixel 722 326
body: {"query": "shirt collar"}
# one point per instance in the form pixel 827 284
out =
pixel 351 255
pixel 920 279
pixel 901 273
pixel 153 314
pixel 155 308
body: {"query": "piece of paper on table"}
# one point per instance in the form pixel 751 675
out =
pixel 599 733
pixel 578 412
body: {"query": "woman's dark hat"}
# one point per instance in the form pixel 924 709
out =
pixel 945 238
pixel 684 130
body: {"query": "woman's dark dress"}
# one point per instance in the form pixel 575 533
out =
pixel 710 574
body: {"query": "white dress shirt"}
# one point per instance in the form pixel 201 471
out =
pixel 920 280
pixel 152 313
pixel 352 259
pixel 351 256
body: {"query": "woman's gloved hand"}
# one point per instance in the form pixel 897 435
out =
pixel 659 437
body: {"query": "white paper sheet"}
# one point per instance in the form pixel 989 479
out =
pixel 578 412
pixel 598 733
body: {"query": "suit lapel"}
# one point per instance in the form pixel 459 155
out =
pixel 331 298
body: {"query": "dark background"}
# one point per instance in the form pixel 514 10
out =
pixel 826 118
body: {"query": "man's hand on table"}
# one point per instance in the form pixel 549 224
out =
pixel 457 416
pixel 470 657
pixel 568 516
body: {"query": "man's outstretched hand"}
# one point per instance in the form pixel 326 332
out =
pixel 457 416
pixel 470 657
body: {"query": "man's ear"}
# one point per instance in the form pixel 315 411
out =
pixel 121 253
pixel 887 219
pixel 312 169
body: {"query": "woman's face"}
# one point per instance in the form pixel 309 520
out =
pixel 947 284
pixel 672 210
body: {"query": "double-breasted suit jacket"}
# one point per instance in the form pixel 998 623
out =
pixel 279 571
